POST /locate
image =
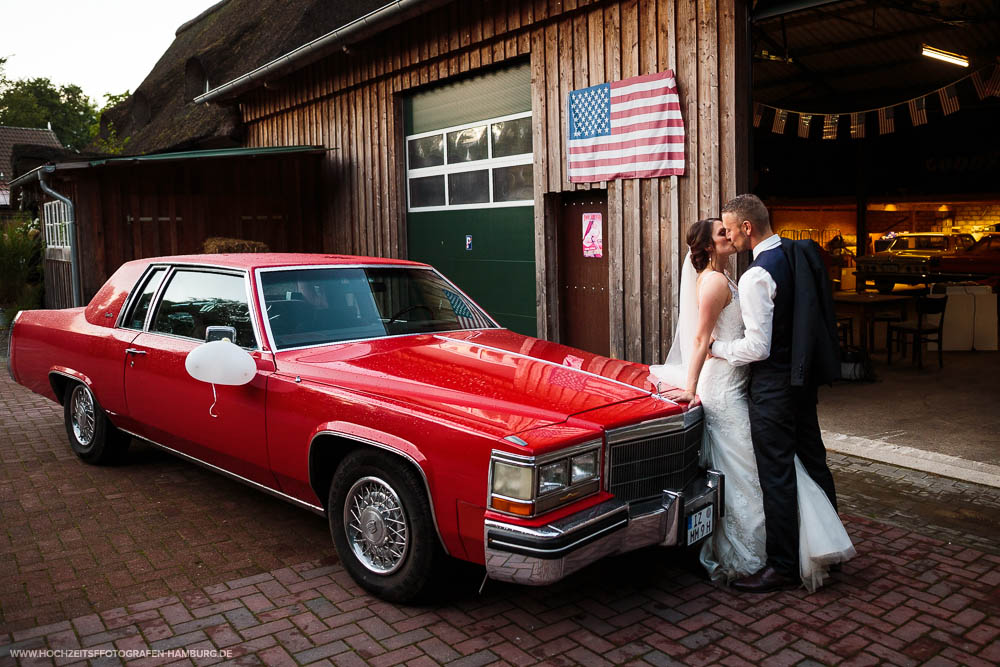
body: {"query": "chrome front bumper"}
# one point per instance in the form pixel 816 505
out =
pixel 544 555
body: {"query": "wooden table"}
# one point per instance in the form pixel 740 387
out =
pixel 866 304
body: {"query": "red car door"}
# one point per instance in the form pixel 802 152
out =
pixel 168 406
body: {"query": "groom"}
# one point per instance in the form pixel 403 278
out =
pixel 775 293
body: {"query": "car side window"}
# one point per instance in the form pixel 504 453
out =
pixel 137 316
pixel 195 300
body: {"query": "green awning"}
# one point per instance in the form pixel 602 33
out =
pixel 217 153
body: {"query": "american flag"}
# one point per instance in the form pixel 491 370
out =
pixel 465 317
pixel 977 81
pixel 918 111
pixel 626 129
pixel 830 122
pixel 993 85
pixel 858 125
pixel 780 116
pixel 949 101
pixel 804 120
pixel 758 113
pixel 886 120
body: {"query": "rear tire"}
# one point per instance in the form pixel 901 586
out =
pixel 382 527
pixel 885 286
pixel 91 434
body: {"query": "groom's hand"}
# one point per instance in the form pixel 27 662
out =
pixel 710 355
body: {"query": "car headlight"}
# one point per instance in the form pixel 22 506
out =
pixel 529 485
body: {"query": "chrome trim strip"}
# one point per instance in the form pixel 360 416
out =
pixel 544 361
pixel 392 450
pixel 661 426
pixel 568 547
pixel 294 267
pixel 231 475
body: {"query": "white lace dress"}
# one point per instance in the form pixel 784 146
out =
pixel 737 546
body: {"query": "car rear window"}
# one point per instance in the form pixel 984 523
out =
pixel 306 307
pixel 136 318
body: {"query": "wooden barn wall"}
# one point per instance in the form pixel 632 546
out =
pixel 132 212
pixel 351 102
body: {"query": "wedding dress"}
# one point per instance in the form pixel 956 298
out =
pixel 737 546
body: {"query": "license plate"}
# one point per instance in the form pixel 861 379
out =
pixel 699 524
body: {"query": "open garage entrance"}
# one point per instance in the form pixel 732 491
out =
pixel 867 141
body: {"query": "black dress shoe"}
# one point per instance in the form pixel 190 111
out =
pixel 766 580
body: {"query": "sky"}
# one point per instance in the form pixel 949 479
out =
pixel 103 46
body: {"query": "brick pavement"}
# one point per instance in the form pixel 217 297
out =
pixel 159 554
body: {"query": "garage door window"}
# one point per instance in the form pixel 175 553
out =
pixel 476 165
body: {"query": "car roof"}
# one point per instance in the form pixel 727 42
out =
pixel 276 259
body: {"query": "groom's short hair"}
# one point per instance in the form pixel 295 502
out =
pixel 749 207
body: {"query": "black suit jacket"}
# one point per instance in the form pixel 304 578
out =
pixel 815 356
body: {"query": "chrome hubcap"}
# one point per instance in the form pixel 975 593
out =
pixel 82 409
pixel 376 526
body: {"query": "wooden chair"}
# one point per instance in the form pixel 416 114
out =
pixel 886 317
pixel 926 328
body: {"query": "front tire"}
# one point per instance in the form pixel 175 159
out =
pixel 382 527
pixel 91 434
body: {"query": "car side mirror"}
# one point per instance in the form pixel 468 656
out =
pixel 220 362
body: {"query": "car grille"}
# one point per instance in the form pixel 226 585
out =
pixel 644 466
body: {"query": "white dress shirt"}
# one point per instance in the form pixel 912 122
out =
pixel 757 290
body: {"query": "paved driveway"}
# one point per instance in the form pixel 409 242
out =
pixel 158 555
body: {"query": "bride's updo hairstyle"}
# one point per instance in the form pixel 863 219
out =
pixel 699 240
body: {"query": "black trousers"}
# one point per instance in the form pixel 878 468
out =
pixel 783 425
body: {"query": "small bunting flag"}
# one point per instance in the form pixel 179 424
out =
pixel 918 111
pixel 858 125
pixel 993 85
pixel 830 121
pixel 886 120
pixel 949 101
pixel 977 81
pixel 758 113
pixel 804 120
pixel 780 116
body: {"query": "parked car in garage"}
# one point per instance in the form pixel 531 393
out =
pixel 980 262
pixel 376 393
pixel 905 258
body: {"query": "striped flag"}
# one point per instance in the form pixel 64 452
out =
pixel 466 318
pixel 918 111
pixel 993 85
pixel 886 120
pixel 858 125
pixel 626 129
pixel 758 113
pixel 949 101
pixel 830 125
pixel 977 81
pixel 780 116
pixel 804 120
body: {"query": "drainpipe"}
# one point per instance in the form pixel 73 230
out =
pixel 71 223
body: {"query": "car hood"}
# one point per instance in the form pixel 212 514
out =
pixel 496 381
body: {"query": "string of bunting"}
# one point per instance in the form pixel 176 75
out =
pixel 985 80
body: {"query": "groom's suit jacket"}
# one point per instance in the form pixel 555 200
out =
pixel 815 350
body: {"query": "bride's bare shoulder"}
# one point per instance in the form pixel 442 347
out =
pixel 713 284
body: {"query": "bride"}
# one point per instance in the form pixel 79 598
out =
pixel 709 309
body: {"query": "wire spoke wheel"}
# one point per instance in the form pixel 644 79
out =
pixel 376 525
pixel 83 415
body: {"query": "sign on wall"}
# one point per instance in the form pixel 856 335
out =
pixel 593 235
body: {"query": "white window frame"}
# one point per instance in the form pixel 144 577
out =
pixel 56 224
pixel 488 164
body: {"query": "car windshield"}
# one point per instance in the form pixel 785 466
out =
pixel 316 306
pixel 920 243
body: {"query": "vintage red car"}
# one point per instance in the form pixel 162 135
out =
pixel 377 394
pixel 980 262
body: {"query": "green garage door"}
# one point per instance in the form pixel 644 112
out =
pixel 469 190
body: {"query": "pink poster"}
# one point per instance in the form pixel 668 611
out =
pixel 593 235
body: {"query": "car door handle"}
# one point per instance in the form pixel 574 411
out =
pixel 132 350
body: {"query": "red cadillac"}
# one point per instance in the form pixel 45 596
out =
pixel 376 393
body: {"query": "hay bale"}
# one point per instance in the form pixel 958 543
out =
pixel 221 244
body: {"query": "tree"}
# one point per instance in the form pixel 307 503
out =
pixel 38 102
pixel 110 142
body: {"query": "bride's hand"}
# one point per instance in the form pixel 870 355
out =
pixel 683 396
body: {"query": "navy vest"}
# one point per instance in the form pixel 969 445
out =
pixel 776 263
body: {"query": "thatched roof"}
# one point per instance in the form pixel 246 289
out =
pixel 225 41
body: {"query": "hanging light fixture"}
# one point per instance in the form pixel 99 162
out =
pixel 946 56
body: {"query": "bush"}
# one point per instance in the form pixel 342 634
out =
pixel 20 267
pixel 219 244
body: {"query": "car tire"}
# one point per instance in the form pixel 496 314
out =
pixel 382 526
pixel 91 434
pixel 885 286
